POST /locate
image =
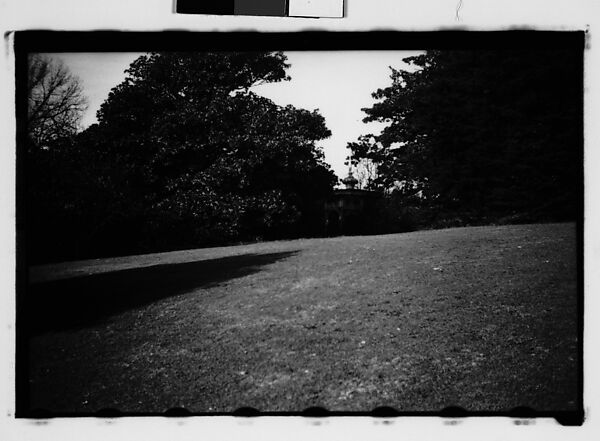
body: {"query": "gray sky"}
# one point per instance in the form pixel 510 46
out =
pixel 338 83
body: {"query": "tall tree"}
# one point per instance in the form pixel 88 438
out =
pixel 55 104
pixel 185 154
pixel 483 134
pixel 55 101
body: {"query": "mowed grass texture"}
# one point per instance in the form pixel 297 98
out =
pixel 484 318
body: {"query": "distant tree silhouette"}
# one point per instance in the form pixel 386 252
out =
pixel 365 168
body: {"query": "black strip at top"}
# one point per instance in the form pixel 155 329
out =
pixel 212 7
pixel 120 41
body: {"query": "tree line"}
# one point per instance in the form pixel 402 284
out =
pixel 185 154
pixel 478 137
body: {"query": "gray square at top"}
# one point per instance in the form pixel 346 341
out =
pixel 260 7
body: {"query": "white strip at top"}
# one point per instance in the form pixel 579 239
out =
pixel 316 8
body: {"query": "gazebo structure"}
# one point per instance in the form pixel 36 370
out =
pixel 347 211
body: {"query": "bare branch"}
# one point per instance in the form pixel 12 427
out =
pixel 55 100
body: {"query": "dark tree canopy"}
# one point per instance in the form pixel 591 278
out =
pixel 185 154
pixel 482 135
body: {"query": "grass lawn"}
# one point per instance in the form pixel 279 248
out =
pixel 483 317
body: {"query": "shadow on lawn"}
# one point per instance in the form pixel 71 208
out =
pixel 82 301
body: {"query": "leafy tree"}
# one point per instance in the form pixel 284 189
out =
pixel 185 154
pixel 55 101
pixel 482 135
